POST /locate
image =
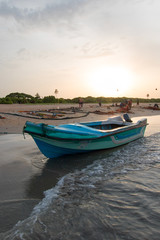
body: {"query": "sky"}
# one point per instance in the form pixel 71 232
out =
pixel 107 48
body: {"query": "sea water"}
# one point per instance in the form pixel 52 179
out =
pixel 104 195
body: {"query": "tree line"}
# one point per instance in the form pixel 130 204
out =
pixel 23 98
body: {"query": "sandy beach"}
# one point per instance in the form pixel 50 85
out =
pixel 14 116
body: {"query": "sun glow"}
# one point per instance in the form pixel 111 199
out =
pixel 110 81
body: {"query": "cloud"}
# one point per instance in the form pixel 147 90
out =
pixel 86 20
pixel 90 50
pixel 55 11
pixel 24 54
pixel 63 11
pixel 21 51
pixel 7 11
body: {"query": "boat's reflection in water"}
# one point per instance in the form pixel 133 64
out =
pixel 51 170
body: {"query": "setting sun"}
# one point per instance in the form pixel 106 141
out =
pixel 110 81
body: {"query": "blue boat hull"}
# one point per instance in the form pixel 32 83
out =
pixel 52 148
pixel 51 151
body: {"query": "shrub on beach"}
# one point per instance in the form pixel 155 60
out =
pixel 5 100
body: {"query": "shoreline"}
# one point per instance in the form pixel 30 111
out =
pixel 14 116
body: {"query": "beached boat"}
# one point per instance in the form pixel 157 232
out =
pixel 55 141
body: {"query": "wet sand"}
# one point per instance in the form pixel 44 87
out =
pixel 24 172
pixel 15 171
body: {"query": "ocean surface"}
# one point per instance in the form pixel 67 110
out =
pixel 101 195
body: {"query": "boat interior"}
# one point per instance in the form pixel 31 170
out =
pixel 107 126
pixel 111 123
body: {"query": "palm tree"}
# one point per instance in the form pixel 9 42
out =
pixel 37 96
pixel 56 92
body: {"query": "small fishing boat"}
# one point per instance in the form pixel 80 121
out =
pixel 55 141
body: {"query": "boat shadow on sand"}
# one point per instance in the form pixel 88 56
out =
pixel 54 169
